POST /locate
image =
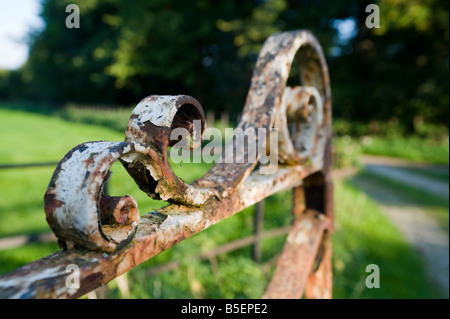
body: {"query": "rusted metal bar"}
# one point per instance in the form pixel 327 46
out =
pixel 320 281
pixel 105 236
pixel 298 201
pixel 157 231
pixel 225 248
pixel 28 165
pixel 297 259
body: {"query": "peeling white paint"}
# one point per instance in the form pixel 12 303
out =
pixel 24 283
pixel 302 235
pixel 258 186
pixel 81 175
pixel 160 112
pixel 78 185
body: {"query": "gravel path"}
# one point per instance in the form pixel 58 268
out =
pixel 392 168
pixel 422 231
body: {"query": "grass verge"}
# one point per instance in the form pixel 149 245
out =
pixel 413 148
pixel 439 175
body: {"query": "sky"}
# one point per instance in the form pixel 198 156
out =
pixel 16 19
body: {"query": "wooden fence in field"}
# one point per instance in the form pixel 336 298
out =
pixel 282 141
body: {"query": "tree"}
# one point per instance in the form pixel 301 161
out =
pixel 397 72
pixel 127 50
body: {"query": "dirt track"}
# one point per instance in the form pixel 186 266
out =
pixel 421 230
pixel 393 168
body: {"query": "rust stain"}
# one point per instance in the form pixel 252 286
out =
pixel 51 203
pixel 105 234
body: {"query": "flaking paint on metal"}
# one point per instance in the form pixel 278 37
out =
pixel 223 191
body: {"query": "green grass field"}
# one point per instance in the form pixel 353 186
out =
pixel 363 235
pixel 412 148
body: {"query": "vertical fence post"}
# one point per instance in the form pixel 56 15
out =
pixel 210 119
pixel 258 223
pixel 319 195
pixel 298 201
pixel 105 188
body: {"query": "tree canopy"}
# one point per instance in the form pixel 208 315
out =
pixel 125 50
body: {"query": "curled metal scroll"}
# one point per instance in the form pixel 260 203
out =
pixel 81 215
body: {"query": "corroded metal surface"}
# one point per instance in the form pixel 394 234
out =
pixel 74 194
pixel 320 281
pixel 151 123
pixel 265 99
pixel 299 121
pixel 157 231
pixel 105 236
pixel 297 260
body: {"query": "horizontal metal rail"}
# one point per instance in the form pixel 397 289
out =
pixel 17 241
pixel 28 165
pixel 223 249
pixel 157 231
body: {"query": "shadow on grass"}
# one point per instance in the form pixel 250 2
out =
pixel 113 118
pixel 387 191
pixel 392 193
pixel 30 107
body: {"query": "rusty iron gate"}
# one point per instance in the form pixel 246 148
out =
pixel 105 236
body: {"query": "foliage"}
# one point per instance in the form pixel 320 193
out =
pixel 346 152
pixel 430 143
pixel 113 118
pixel 413 148
pixel 124 51
pixel 398 72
